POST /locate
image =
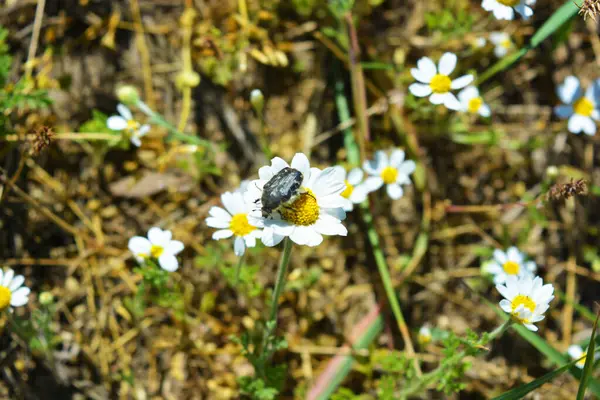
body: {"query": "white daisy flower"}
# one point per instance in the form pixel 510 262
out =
pixel 526 299
pixel 355 192
pixel 479 42
pixel 125 123
pixel 502 42
pixel 576 352
pixel 233 221
pixel 510 263
pixel 505 9
pixel 472 102
pixel 315 210
pixel 580 109
pixel 12 291
pixel 436 81
pixel 424 337
pixel 392 172
pixel 243 186
pixel 159 246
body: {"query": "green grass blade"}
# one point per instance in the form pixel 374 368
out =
pixel 519 392
pixel 552 24
pixel 586 374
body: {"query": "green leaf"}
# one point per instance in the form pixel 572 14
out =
pixel 519 392
pixel 589 362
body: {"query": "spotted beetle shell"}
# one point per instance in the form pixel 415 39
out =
pixel 280 189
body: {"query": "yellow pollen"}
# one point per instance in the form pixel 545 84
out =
pixel 132 126
pixel 582 361
pixel 524 300
pixel 348 191
pixel 5 296
pixel 511 268
pixel 506 43
pixel 423 339
pixel 510 3
pixel 475 104
pixel 440 84
pixel 583 107
pixel 240 226
pixel 303 211
pixel 389 175
pixel 156 251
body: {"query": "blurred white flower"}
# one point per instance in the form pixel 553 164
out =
pixel 576 352
pixel 233 221
pixel 479 42
pixel 355 191
pixel 502 42
pixel 392 172
pixel 505 9
pixel 436 82
pixel 510 263
pixel 12 291
pixel 159 246
pixel 125 123
pixel 315 210
pixel 472 102
pixel 424 337
pixel 580 109
pixel 526 299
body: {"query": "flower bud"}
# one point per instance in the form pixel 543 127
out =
pixel 187 79
pixel 128 95
pixel 257 100
pixel 46 298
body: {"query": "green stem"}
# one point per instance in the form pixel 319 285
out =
pixel 280 280
pixel 238 268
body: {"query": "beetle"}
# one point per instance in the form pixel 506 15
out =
pixel 280 189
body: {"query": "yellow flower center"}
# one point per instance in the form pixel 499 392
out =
pixel 582 361
pixel 348 191
pixel 303 211
pixel 475 104
pixel 510 3
pixel 440 83
pixel 583 107
pixel 423 338
pixel 389 175
pixel 132 126
pixel 240 226
pixel 5 296
pixel 524 300
pixel 511 267
pixel 156 251
pixel 506 43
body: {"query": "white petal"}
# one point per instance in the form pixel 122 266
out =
pixel 174 247
pixel 328 225
pixel 422 76
pixel 525 11
pixel 498 37
pixel 407 167
pixel 277 164
pixel 570 90
pixel 500 256
pixel 461 82
pixel 575 352
pixel 8 275
pixel 144 129
pixel 373 183
pixel 19 297
pixel 514 254
pixel 139 245
pixel 467 94
pixel 447 63
pixel 420 89
pixel 531 327
pixel 116 123
pixel 301 163
pixel 359 194
pixel 396 158
pixel 168 262
pixel 222 234
pixel 438 98
pixel 219 213
pixel 426 66
pixel 1 275
pixel 16 283
pixel 355 176
pixel 576 123
pixel 217 223
pixel 233 202
pixel 239 246
pixel 159 237
pixel 124 111
pixel 451 102
pixel 485 111
pixel 506 305
pixel 371 167
pixel 588 126
pixel 500 51
pixel 136 141
pixel 270 238
pixel 394 191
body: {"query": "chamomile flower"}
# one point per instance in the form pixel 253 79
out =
pixel 126 124
pixel 472 102
pixel 233 221
pixel 510 263
pixel 479 42
pixel 505 9
pixel 436 82
pixel 424 337
pixel 12 291
pixel 502 42
pixel 314 210
pixel 579 108
pixel 576 352
pixel 355 191
pixel 526 299
pixel 158 246
pixel 392 172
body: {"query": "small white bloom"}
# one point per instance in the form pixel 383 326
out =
pixel 472 102
pixel 526 299
pixel 505 9
pixel 316 210
pixel 12 291
pixel 125 123
pixel 233 221
pixel 576 352
pixel 510 263
pixel 502 42
pixel 580 109
pixel 243 186
pixel 392 172
pixel 355 191
pixel 479 42
pixel 424 336
pixel 436 82
pixel 158 245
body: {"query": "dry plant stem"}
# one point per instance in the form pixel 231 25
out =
pixel 186 55
pixel 143 49
pixel 387 284
pixel 35 36
pixel 359 96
